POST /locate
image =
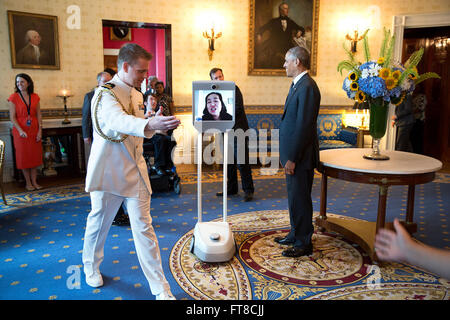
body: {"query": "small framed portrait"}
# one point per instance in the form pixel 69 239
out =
pixel 275 27
pixel 33 40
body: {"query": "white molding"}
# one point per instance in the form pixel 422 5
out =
pixel 111 52
pixel 399 24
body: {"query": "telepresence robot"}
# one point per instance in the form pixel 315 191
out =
pixel 212 241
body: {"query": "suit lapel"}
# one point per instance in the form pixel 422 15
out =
pixel 292 92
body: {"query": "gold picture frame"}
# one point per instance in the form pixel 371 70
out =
pixel 33 40
pixel 268 43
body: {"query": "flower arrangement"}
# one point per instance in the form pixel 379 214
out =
pixel 384 78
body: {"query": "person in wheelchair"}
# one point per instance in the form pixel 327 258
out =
pixel 161 140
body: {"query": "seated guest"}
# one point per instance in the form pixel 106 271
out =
pixel 163 98
pixel 162 139
pixel 215 108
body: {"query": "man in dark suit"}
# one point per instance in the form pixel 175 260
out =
pixel 240 122
pixel 299 150
pixel 281 31
pixel 86 122
pixel 404 121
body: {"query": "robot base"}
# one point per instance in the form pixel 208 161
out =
pixel 213 242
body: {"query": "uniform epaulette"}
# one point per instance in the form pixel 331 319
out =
pixel 108 85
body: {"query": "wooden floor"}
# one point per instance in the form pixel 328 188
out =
pixel 46 182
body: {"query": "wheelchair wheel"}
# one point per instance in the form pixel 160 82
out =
pixel 177 186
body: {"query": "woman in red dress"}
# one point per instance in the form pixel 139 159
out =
pixel 25 115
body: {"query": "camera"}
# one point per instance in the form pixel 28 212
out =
pixel 213 87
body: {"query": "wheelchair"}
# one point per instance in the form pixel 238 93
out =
pixel 170 181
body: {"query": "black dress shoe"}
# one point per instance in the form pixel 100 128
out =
pixel 248 196
pixel 220 194
pixel 295 252
pixel 283 240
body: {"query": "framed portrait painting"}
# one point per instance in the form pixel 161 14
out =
pixel 33 40
pixel 275 27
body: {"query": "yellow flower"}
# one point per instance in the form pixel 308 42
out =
pixel 380 60
pixel 390 83
pixel 385 73
pixel 353 76
pixel 396 74
pixel 354 86
pixel 360 96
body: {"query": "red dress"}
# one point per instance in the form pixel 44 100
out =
pixel 28 150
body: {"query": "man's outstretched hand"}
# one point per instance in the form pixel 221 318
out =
pixel 160 122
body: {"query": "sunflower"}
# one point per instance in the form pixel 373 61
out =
pixel 385 73
pixel 353 76
pixel 396 74
pixel 360 96
pixel 354 86
pixel 390 83
pixel 380 60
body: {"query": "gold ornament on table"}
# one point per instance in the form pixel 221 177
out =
pixel 49 158
pixel 380 82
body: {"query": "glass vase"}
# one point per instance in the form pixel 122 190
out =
pixel 378 109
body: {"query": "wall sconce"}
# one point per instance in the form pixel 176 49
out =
pixel 65 94
pixel 355 39
pixel 211 38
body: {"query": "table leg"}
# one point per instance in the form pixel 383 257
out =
pixel 382 196
pixel 410 206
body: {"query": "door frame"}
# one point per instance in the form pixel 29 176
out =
pixel 167 40
pixel 399 24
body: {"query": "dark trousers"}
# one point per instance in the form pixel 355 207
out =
pixel 403 138
pixel 299 186
pixel 163 151
pixel 244 168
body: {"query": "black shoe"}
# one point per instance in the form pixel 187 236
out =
pixel 248 196
pixel 220 194
pixel 295 252
pixel 284 241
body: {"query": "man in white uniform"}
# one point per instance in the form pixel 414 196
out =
pixel 117 171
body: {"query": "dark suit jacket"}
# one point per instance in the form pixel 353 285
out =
pixel 404 113
pixel 86 121
pixel 240 120
pixel 298 129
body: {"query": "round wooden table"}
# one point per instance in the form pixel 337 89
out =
pixel 403 168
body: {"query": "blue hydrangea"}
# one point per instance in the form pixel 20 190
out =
pixel 373 86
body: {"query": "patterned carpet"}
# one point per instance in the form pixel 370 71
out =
pixel 41 238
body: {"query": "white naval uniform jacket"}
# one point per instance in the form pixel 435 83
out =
pixel 118 168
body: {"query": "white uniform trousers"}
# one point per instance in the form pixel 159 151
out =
pixel 104 208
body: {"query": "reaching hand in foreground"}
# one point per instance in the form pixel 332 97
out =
pixel 399 246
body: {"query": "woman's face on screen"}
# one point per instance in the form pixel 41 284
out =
pixel 214 105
